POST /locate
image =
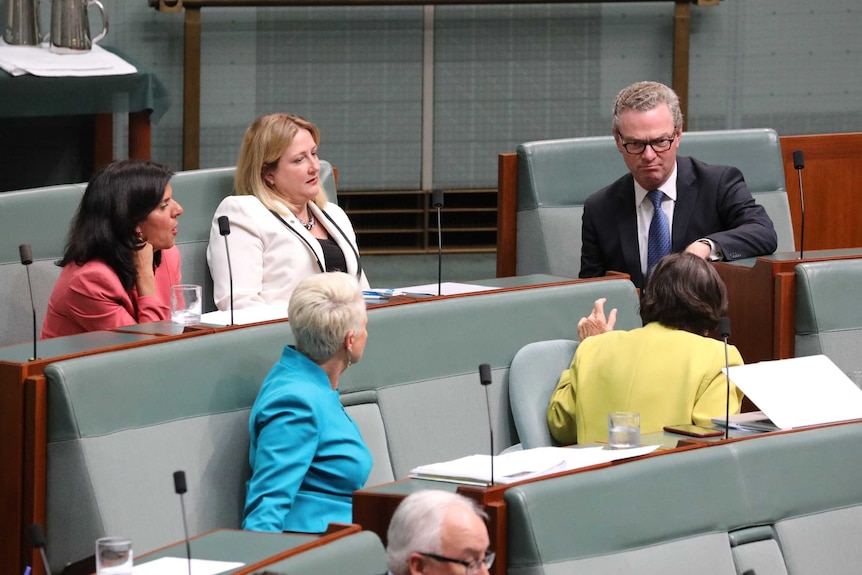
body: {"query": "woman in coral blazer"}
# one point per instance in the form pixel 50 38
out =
pixel 120 259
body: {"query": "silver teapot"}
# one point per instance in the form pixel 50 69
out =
pixel 22 23
pixel 70 26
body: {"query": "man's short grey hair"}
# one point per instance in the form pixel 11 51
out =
pixel 323 309
pixel 644 96
pixel 415 525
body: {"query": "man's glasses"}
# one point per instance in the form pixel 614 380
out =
pixel 472 567
pixel 659 145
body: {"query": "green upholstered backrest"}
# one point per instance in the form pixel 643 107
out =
pixel 39 217
pixel 533 376
pixel 184 405
pixel 828 313
pixel 572 520
pixel 358 554
pixel 746 502
pixel 423 358
pixel 199 192
pixel 120 424
pixel 555 177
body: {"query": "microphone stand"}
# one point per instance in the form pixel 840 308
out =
pixel 437 201
pixel 724 330
pixel 37 538
pixel 485 380
pixel 799 164
pixel 26 254
pixel 180 488
pixel 224 230
pixel 230 277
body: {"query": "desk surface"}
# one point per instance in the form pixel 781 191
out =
pixel 28 96
pixel 791 256
pixel 69 345
pixel 373 506
pixel 249 547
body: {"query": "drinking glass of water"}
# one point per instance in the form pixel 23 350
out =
pixel 113 556
pixel 186 304
pixel 624 429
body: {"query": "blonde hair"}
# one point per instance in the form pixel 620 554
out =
pixel 323 309
pixel 263 144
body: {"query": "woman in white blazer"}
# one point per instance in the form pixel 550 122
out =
pixel 282 226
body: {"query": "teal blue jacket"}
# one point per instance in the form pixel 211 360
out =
pixel 307 455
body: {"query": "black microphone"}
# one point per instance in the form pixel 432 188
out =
pixel 224 230
pixel 799 164
pixel 437 202
pixel 27 258
pixel 724 331
pixel 37 536
pixel 180 488
pixel 485 380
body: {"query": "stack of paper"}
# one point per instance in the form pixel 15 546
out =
pixel 798 392
pixel 246 316
pixel 40 61
pixel 748 421
pixel 446 288
pixel 180 566
pixel 521 465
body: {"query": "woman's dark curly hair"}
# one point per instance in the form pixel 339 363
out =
pixel 684 292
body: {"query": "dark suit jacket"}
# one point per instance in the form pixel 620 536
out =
pixel 712 202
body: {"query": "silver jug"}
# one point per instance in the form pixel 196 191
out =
pixel 70 26
pixel 22 25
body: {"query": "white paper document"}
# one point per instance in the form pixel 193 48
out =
pixel 446 288
pixel 521 465
pixel 245 316
pixel 748 421
pixel 40 61
pixel 180 566
pixel 800 391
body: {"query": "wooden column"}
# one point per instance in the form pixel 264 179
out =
pixel 681 45
pixel 192 89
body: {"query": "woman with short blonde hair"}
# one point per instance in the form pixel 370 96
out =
pixel 306 454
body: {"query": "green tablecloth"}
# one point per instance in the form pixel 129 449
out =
pixel 29 96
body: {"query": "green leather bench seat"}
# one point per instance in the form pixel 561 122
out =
pixel 828 313
pixel 555 177
pixel 358 554
pixel 420 369
pixel 121 423
pixel 779 504
pixel 39 217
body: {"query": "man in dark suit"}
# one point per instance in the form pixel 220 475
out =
pixel 705 209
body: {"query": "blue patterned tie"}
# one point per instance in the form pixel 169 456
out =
pixel 658 244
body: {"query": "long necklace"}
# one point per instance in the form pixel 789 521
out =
pixel 309 224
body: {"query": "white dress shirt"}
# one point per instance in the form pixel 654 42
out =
pixel 645 212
